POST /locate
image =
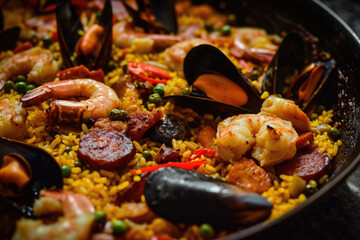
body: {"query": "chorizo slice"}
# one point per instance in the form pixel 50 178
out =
pixel 304 140
pixel 139 122
pixel 248 175
pixel 166 155
pixel 310 166
pixel 106 149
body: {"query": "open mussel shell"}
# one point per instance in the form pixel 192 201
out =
pixel 188 197
pixel 206 105
pixel 208 59
pixel 288 60
pixel 69 26
pixel 164 12
pixel 45 173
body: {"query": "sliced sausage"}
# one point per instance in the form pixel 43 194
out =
pixel 310 166
pixel 139 122
pixel 248 175
pixel 81 72
pixel 166 155
pixel 106 149
pixel 134 191
pixel 304 140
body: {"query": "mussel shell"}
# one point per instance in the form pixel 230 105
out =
pixel 206 105
pixel 1 20
pixel 8 38
pixel 68 27
pixel 46 172
pixel 208 59
pixel 188 197
pixel 288 60
pixel 164 12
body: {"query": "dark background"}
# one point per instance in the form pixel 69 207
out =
pixel 337 215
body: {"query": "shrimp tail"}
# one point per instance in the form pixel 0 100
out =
pixel 36 96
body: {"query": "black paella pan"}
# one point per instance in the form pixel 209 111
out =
pixel 341 93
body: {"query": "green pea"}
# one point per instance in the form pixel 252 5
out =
pixel 147 155
pixel 313 116
pixel 20 78
pixel 186 92
pixel 159 89
pixel 231 19
pixel 8 86
pixel 226 30
pixel 119 227
pixel 100 216
pixel 309 189
pixel 156 99
pixel 98 15
pixel 30 87
pixel 334 133
pixel 255 75
pixel 208 26
pixel 319 109
pixel 68 149
pixel 66 171
pixel 47 41
pixel 114 114
pixel 206 231
pixel 78 164
pixel 20 87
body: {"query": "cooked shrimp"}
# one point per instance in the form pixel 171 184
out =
pixel 126 37
pixel 102 99
pixel 254 44
pixel 76 222
pixel 174 55
pixel 271 139
pixel 88 44
pixel 287 110
pixel 38 63
pixel 12 120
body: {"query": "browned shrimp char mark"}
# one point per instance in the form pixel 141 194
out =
pixel 106 149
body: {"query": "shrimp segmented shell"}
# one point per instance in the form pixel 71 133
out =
pixel 271 139
pixel 102 99
pixel 38 63
pixel 287 110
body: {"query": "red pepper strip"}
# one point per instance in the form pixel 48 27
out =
pixel 147 72
pixel 203 151
pixel 77 3
pixel 183 165
pixel 23 47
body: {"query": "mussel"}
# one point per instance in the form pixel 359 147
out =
pixel 207 59
pixel 188 197
pixel 25 171
pixel 287 76
pixel 69 28
pixel 156 16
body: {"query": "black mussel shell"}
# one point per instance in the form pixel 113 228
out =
pixel 288 60
pixel 46 173
pixel 68 27
pixel 163 10
pixel 188 197
pixel 206 105
pixel 293 92
pixel 1 20
pixel 169 128
pixel 208 59
pixel 8 38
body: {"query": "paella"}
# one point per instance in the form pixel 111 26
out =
pixel 141 120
